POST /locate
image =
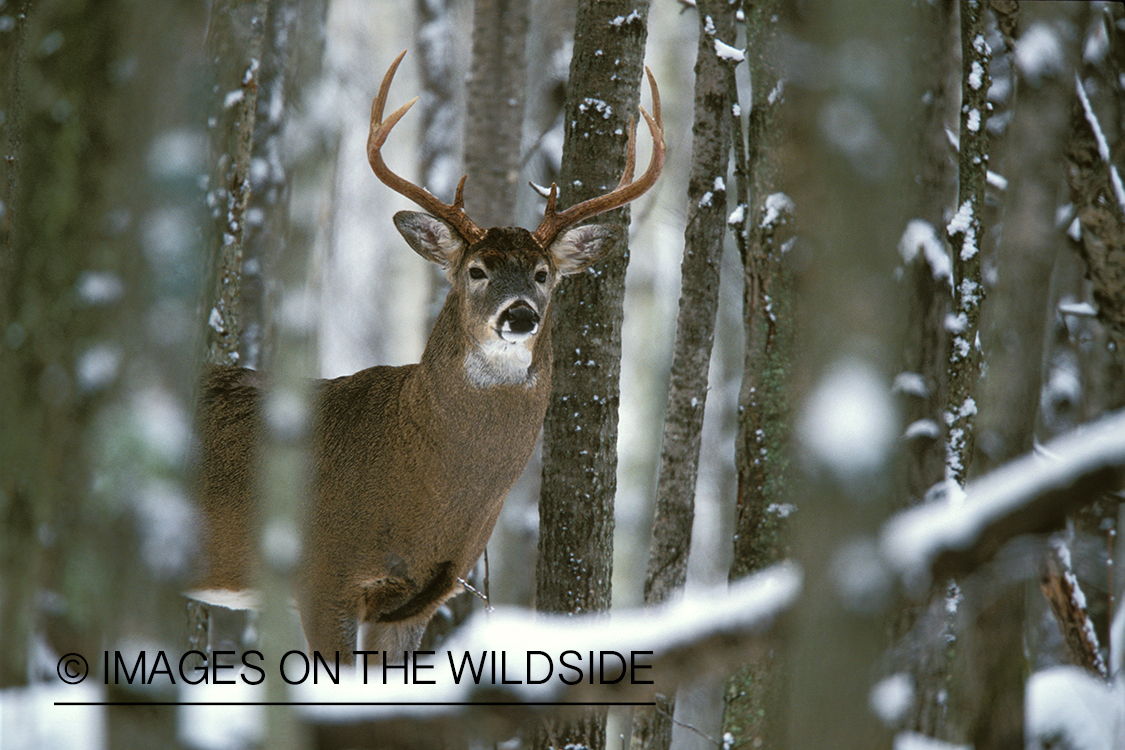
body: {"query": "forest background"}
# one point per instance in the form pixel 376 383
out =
pixel 887 255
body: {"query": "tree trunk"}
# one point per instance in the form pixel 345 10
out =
pixel 922 631
pixel 966 234
pixel 575 564
pixel 235 40
pixel 494 111
pixel 695 334
pixel 846 164
pixel 753 697
pixel 989 691
pixel 86 177
pixel 290 199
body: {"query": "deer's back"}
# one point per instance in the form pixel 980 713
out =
pixel 397 487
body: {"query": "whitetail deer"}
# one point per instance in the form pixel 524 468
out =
pixel 411 464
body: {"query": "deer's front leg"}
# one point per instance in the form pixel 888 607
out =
pixel 329 619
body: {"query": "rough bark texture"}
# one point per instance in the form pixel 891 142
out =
pixel 695 334
pixel 928 287
pixel 1099 204
pixel 987 696
pixel 753 696
pixel 236 36
pixel 235 40
pixel 965 236
pixel 922 631
pixel 575 564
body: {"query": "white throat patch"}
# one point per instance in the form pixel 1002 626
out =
pixel 499 362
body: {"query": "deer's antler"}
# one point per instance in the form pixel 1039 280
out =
pixel 627 190
pixel 451 213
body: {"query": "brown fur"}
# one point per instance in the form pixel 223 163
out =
pixel 411 466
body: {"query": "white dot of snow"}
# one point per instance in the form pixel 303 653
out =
pixel 98 367
pixel 848 423
pixel 726 52
pixel 233 98
pixel 1039 53
pixel 737 216
pixel 892 697
pixel 911 383
pixel 777 205
pixel 976 75
pixel 920 235
pixel 926 428
pixel 99 287
pixel 973 123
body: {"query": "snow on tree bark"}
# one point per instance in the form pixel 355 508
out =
pixel 575 565
pixel 695 333
pixel 234 43
pixel 965 232
pixel 762 223
pixel 987 694
pixel 1099 204
pixel 921 648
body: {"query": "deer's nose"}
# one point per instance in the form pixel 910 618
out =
pixel 518 321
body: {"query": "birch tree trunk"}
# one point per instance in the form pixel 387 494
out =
pixel 575 564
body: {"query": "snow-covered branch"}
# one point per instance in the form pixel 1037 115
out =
pixel 1031 494
pixel 702 632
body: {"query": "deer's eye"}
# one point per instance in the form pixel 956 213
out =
pixel 476 272
pixel 541 277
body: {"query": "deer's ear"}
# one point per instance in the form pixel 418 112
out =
pixel 580 247
pixel 431 238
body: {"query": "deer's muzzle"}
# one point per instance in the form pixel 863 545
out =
pixel 518 322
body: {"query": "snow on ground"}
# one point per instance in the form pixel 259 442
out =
pixel 29 720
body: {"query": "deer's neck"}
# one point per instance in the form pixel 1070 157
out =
pixel 464 380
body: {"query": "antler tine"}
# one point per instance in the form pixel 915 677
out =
pixel 453 214
pixel 630 155
pixel 626 191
